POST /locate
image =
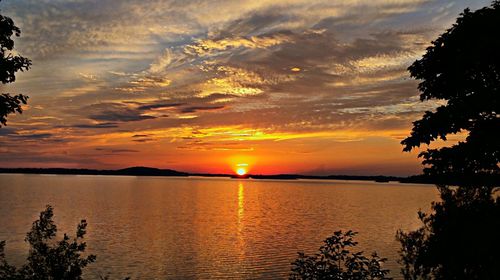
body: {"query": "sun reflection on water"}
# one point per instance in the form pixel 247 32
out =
pixel 241 204
pixel 240 236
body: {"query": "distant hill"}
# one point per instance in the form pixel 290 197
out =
pixel 131 171
pixel 148 171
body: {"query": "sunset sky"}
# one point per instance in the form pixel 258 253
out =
pixel 312 87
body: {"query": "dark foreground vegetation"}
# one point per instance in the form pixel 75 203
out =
pixel 48 258
pixel 336 261
pixel 459 238
pixel 10 63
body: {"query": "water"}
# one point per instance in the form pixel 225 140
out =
pixel 206 228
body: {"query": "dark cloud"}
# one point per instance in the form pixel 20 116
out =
pixel 159 106
pixel 34 158
pixel 201 108
pixel 35 136
pixel 121 116
pixel 19 135
pixel 256 23
pixel 5 131
pixel 144 140
pixel 115 112
pixel 116 151
pixel 98 125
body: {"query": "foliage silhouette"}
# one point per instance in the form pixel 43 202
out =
pixel 462 67
pixel 48 259
pixel 335 261
pixel 10 63
pixel 459 239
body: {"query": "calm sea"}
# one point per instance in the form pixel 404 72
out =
pixel 208 228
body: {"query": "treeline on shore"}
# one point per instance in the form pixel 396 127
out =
pixel 148 171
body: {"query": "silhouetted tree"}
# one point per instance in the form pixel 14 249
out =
pixel 10 63
pixel 48 259
pixel 459 239
pixel 335 261
pixel 462 67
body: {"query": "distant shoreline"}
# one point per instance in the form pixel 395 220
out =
pixel 148 171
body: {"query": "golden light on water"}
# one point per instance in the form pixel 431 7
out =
pixel 240 204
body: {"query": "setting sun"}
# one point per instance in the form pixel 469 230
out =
pixel 241 171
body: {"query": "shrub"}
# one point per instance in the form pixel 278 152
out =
pixel 335 261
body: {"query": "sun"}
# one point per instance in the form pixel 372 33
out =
pixel 241 171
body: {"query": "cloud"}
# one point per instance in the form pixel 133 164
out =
pixel 116 151
pixel 210 46
pixel 194 109
pixel 205 146
pixel 151 82
pixel 159 105
pixel 144 140
pixel 87 76
pixel 6 131
pixel 26 135
pixel 115 112
pixel 97 125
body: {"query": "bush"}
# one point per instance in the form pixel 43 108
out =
pixel 458 240
pixel 47 258
pixel 335 261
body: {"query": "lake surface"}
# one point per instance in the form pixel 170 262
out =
pixel 208 228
